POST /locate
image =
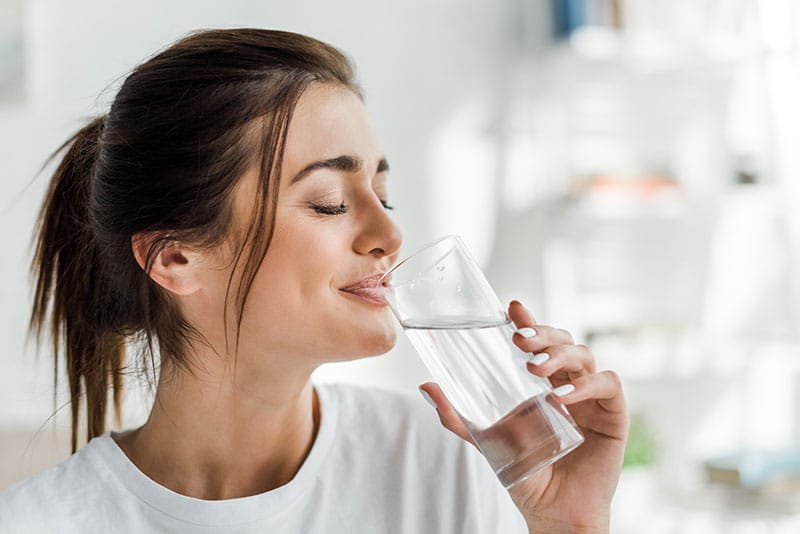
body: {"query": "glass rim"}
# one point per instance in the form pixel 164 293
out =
pixel 430 244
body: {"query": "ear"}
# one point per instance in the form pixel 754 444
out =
pixel 176 267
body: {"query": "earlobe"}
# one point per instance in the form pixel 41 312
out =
pixel 174 267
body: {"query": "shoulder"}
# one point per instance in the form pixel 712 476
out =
pixel 372 398
pixel 58 498
pixel 385 412
pixel 398 435
pixel 396 426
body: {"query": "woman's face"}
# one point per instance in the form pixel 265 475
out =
pixel 332 232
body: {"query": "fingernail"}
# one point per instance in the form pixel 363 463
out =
pixel 427 397
pixel 539 359
pixel 526 332
pixel 566 389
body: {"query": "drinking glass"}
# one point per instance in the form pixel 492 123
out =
pixel 463 335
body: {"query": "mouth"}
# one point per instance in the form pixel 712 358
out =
pixel 369 289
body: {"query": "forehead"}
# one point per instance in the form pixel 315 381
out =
pixel 328 121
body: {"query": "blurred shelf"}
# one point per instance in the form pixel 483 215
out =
pixel 642 504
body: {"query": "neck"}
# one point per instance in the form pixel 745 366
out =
pixel 212 437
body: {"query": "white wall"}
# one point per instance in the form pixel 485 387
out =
pixel 417 61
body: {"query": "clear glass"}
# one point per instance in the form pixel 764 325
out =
pixel 463 335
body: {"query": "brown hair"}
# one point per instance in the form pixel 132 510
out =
pixel 164 161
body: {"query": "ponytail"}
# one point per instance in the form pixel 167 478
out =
pixel 72 292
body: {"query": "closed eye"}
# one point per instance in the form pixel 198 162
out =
pixel 339 209
pixel 329 209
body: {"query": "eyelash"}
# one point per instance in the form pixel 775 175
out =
pixel 339 209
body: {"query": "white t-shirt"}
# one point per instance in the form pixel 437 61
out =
pixel 381 463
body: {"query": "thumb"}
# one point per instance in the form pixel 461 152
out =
pixel 447 414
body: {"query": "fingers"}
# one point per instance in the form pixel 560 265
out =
pixel 540 337
pixel 531 337
pixel 447 414
pixel 604 387
pixel 520 315
pixel 575 359
pixel 523 320
pixel 554 352
pixel 553 349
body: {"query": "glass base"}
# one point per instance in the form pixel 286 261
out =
pixel 550 452
pixel 533 435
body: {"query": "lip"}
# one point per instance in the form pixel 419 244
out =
pixel 368 288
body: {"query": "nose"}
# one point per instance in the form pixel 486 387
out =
pixel 378 235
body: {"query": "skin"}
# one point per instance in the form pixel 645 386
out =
pixel 242 424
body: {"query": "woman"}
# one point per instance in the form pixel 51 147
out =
pixel 222 216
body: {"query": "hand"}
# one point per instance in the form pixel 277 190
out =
pixel 573 494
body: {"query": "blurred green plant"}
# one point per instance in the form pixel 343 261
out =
pixel 641 449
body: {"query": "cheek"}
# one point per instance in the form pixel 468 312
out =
pixel 295 306
pixel 287 292
pixel 293 285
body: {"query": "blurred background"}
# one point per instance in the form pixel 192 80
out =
pixel 629 169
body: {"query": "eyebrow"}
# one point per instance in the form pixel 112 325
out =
pixel 346 163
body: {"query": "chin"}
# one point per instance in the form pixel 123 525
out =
pixel 383 344
pixel 370 344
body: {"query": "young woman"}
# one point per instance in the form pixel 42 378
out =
pixel 220 221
